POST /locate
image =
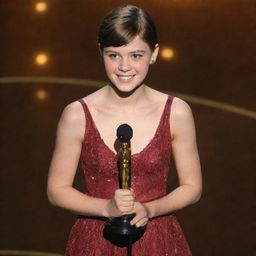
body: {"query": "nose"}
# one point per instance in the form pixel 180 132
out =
pixel 124 65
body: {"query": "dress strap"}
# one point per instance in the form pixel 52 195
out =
pixel 165 128
pixel 167 109
pixel 88 117
pixel 85 108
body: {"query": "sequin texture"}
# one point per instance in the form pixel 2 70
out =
pixel 150 167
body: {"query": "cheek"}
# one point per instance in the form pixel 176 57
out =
pixel 143 67
pixel 109 66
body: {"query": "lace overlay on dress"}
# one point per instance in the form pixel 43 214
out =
pixel 150 168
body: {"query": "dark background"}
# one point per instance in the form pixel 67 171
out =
pixel 215 59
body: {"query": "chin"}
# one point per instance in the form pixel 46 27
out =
pixel 126 86
pixel 125 90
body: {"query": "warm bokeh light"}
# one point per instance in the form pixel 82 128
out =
pixel 167 53
pixel 41 94
pixel 41 6
pixel 41 59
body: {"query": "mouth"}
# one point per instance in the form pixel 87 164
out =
pixel 125 78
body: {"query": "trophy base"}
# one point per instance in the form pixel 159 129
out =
pixel 120 233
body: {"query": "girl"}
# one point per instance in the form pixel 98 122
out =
pixel 161 124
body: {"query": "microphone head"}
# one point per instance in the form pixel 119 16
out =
pixel 124 132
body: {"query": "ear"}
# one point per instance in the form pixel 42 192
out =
pixel 100 49
pixel 154 54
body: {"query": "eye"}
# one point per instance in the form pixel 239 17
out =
pixel 136 56
pixel 113 56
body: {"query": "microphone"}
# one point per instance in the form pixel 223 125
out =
pixel 124 132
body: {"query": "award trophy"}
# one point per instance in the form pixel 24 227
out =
pixel 118 230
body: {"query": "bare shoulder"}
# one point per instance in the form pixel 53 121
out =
pixel 180 109
pixel 72 113
pixel 72 122
pixel 181 119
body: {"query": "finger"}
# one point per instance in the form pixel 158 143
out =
pixel 135 219
pixel 139 222
pixel 124 197
pixel 142 222
pixel 126 210
pixel 125 205
pixel 127 199
pixel 120 203
pixel 123 192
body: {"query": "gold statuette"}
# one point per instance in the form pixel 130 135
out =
pixel 124 159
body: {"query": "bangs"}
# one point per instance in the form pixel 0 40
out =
pixel 123 24
pixel 120 34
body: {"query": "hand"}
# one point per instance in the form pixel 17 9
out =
pixel 121 203
pixel 124 200
pixel 141 218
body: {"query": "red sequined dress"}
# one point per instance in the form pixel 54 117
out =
pixel 163 236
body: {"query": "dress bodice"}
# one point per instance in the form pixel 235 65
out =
pixel 149 168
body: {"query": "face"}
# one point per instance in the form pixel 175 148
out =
pixel 127 66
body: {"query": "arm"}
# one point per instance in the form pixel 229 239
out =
pixel 187 164
pixel 70 135
pixel 64 164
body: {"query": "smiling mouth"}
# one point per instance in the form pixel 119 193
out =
pixel 125 78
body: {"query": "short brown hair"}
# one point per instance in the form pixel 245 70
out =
pixel 123 23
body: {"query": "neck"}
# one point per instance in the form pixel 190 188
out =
pixel 127 99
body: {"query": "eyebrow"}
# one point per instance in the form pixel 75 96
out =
pixel 110 51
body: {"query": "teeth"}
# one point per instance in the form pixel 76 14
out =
pixel 125 77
